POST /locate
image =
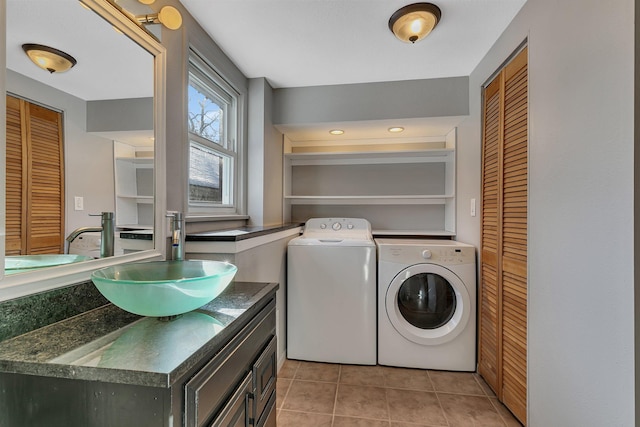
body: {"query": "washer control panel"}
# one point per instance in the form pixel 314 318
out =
pixel 416 251
pixel 338 227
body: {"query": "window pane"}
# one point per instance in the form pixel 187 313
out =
pixel 207 171
pixel 206 115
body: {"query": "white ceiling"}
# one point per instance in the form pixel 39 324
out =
pixel 325 42
pixel 292 43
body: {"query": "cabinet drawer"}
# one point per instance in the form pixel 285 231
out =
pixel 210 388
pixel 237 412
pixel 264 376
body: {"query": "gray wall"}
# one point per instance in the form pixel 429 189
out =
pixel 581 276
pixel 264 157
pixel 372 101
pixel 109 115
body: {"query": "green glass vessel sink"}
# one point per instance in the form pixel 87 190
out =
pixel 163 288
pixel 22 263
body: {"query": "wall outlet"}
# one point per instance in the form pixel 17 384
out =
pixel 78 203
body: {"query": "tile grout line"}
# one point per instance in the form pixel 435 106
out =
pixel 335 399
pixel 444 414
pixel 477 377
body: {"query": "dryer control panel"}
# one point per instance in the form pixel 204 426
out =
pixel 417 251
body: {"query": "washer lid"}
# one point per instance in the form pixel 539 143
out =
pixel 330 241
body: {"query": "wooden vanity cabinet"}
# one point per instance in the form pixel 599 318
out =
pixel 231 386
pixel 239 382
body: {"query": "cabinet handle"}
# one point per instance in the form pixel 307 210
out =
pixel 249 416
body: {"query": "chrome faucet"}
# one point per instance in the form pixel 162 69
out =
pixel 177 235
pixel 107 234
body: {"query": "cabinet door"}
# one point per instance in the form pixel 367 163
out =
pixel 237 412
pixel 502 359
pixel 264 376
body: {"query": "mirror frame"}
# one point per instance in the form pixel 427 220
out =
pixel 18 285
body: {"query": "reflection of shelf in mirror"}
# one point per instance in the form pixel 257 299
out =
pixel 371 200
pixel 141 162
pixel 122 227
pixel 138 199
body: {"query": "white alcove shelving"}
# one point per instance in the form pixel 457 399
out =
pixel 408 191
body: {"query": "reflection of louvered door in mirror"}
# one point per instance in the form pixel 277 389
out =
pixel 34 179
pixel 502 359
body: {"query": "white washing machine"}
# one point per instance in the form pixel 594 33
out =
pixel 427 304
pixel 331 292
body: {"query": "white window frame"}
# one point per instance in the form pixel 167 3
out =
pixel 230 145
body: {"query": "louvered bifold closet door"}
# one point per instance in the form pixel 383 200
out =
pixel 16 175
pixel 514 240
pixel 488 334
pixel 45 229
pixel 502 354
pixel 35 179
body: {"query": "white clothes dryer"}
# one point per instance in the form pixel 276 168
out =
pixel 427 304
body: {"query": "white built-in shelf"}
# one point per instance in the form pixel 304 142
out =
pixel 371 157
pixel 422 233
pixel 371 200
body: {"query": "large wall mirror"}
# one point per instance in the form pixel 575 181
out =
pixel 106 116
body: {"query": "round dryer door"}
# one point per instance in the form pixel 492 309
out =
pixel 428 304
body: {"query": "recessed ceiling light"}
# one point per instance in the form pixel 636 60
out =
pixel 336 131
pixel 396 129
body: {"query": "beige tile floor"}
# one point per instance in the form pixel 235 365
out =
pixel 323 394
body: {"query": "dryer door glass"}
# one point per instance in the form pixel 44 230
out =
pixel 427 300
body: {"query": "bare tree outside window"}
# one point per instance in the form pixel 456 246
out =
pixel 206 117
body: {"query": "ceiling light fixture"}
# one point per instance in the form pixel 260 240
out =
pixel 396 129
pixel 415 21
pixel 48 58
pixel 336 131
pixel 168 16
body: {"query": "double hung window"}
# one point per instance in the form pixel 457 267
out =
pixel 213 147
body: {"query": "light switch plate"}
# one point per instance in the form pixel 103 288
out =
pixel 78 203
pixel 473 207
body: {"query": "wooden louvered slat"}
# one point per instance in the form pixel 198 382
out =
pixel 502 353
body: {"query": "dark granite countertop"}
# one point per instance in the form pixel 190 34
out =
pixel 239 233
pixel 111 345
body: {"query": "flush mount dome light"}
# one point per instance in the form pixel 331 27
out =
pixel 415 21
pixel 336 131
pixel 48 58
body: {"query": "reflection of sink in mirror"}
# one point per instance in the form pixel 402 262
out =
pixel 21 263
pixel 163 288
